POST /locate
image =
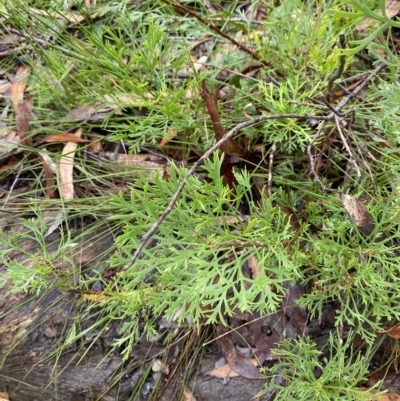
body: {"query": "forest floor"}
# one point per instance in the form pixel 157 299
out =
pixel 199 200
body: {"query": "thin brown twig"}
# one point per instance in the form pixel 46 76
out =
pixel 224 35
pixel 145 238
pixel 311 157
pixel 229 146
pixel 339 107
pixel 359 88
pixel 324 100
pixel 345 144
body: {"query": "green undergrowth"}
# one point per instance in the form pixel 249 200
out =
pixel 139 65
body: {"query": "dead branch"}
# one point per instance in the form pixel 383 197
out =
pixel 229 146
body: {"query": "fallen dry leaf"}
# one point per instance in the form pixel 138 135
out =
pixel 358 213
pixel 383 397
pixel 80 114
pixel 66 167
pixel 171 134
pixel 132 100
pixel 70 16
pixel 55 219
pixel 23 108
pixel 392 9
pixel 188 395
pixel 198 64
pixel 12 162
pixel 18 85
pixel 21 74
pixel 254 267
pixel 94 145
pixel 5 87
pixel 50 182
pixel 4 396
pixel 238 363
pixel 225 370
pixel 64 138
pixel 3 123
pixel 393 332
pixel 23 113
pixel 17 93
pixel 139 160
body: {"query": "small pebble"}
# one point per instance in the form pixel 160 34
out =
pixel 157 365
pixel 225 380
pixel 146 388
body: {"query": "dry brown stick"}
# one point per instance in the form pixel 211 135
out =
pixel 145 238
pixel 224 35
pixel 230 146
pixel 359 88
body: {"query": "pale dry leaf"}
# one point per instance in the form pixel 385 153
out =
pixel 358 213
pixel 17 93
pixel 22 73
pixel 56 220
pixel 23 114
pixel 222 372
pixel 139 160
pixel 5 87
pixel 171 134
pixel 18 85
pixel 197 65
pixel 3 122
pixel 392 9
pixel 94 145
pixel 70 16
pixel 80 113
pixel 64 138
pixel 4 396
pixel 23 108
pixel 12 136
pixel 7 145
pixel 147 165
pixel 66 167
pixel 225 370
pixel 49 173
pixel 132 100
pixel 383 397
pixel 254 267
pixel 188 395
